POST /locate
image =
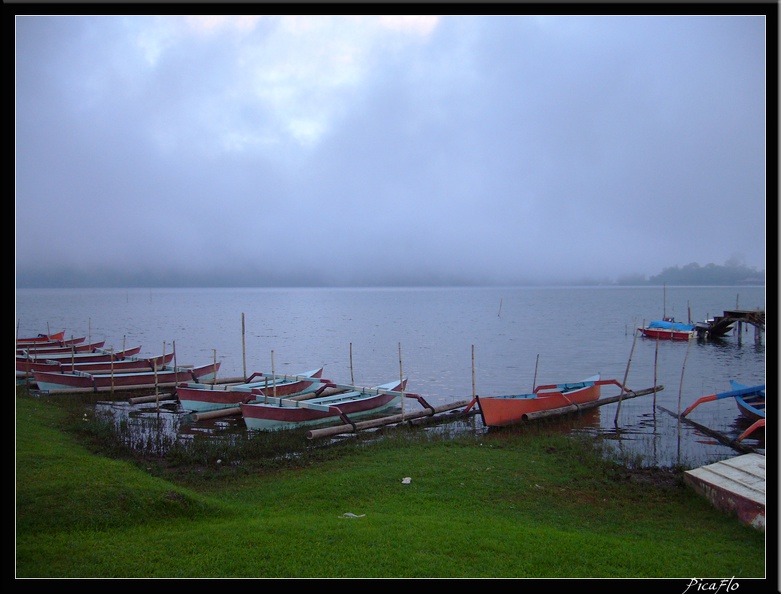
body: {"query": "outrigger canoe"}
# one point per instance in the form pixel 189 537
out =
pixel 200 397
pixel 44 349
pixel 269 413
pixel 57 336
pixel 498 411
pixel 127 365
pixel 23 362
pixel 749 399
pixel 103 382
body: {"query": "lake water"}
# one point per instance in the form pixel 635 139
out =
pixel 450 343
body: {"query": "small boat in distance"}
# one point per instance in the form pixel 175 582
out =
pixel 668 329
pixel 499 411
pixel 270 413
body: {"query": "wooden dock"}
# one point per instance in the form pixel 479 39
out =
pixel 736 486
pixel 718 326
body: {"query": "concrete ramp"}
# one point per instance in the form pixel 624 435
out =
pixel 736 486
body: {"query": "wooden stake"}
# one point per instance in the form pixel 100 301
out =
pixel 243 348
pixel 473 372
pixel 214 377
pixel 401 379
pixel 352 377
pixel 656 360
pixel 680 388
pixel 273 375
pixel 534 383
pixel 626 373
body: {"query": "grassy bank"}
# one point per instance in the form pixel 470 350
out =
pixel 524 503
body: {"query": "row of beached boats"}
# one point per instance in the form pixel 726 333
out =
pixel 57 365
pixel 269 401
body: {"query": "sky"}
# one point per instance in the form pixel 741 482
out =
pixel 382 150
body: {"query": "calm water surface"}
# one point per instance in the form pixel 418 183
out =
pixel 450 343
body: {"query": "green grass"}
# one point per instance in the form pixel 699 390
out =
pixel 521 503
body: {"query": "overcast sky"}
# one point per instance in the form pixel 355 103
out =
pixel 366 150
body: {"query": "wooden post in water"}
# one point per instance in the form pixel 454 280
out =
pixel 176 372
pixel 214 377
pixel 656 361
pixel 534 383
pixel 626 374
pixel 243 348
pixel 273 375
pixel 89 330
pixel 401 379
pixel 683 368
pixel 157 394
pixel 352 377
pixel 112 376
pixel 473 372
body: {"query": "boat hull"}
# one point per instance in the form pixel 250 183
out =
pixel 262 416
pixel 199 397
pixel 129 365
pixel 750 405
pixel 64 382
pixel 26 363
pixel 36 350
pixel 500 411
pixel 663 334
pixel 42 338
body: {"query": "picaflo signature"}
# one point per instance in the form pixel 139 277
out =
pixel 728 585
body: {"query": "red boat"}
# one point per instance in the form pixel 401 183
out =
pixel 47 348
pixel 498 411
pixel 668 329
pixel 42 338
pixel 127 365
pixel 200 397
pixel 104 382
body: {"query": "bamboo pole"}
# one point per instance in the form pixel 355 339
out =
pixel 352 377
pixel 401 380
pixel 626 374
pixel 587 405
pixel 112 376
pixel 157 392
pixel 428 412
pixel 656 361
pixel 683 368
pixel 473 372
pixel 273 375
pixel 243 348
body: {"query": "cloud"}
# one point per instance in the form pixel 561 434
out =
pixel 377 149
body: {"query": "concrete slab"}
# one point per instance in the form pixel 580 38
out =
pixel 735 486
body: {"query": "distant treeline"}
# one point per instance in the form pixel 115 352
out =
pixel 696 275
